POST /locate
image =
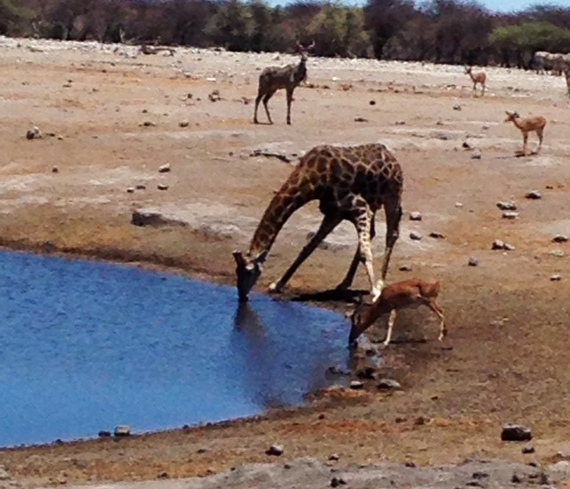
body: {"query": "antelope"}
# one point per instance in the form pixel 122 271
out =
pixel 567 74
pixel 275 78
pixel 477 78
pixel 530 124
pixel 401 295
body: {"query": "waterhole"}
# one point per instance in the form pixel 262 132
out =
pixel 86 346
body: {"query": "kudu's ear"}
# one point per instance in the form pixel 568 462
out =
pixel 238 257
pixel 311 47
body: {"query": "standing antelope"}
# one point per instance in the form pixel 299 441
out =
pixel 477 78
pixel 287 77
pixel 530 124
pixel 401 295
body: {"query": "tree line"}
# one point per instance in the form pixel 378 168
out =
pixel 441 31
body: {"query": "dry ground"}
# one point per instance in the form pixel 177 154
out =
pixel 506 356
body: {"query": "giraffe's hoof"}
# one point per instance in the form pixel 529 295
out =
pixel 274 288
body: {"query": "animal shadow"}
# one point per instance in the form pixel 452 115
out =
pixel 332 295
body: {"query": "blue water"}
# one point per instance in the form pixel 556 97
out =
pixel 86 346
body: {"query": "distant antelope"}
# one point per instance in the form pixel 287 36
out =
pixel 567 74
pixel 530 124
pixel 401 295
pixel 477 78
pixel 276 78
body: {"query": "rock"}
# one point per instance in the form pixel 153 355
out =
pixel 366 373
pixel 215 96
pixel 130 190
pixel 466 145
pixel 415 236
pixel 527 450
pixel 122 430
pixel 415 216
pixel 183 124
pixel 508 247
pixel 400 123
pixel 4 475
pixel 372 102
pixel 560 238
pixel 533 195
pixel 164 168
pixel 162 186
pixel 273 154
pixel 556 278
pixel 153 218
pixel 507 206
pixel 436 235
pixel 510 215
pixel 473 262
pixel 275 450
pixel 405 268
pixel 515 432
pixel 476 155
pixel 148 124
pixel 458 204
pixel 337 481
pixel 558 253
pixel 54 169
pixel 498 245
pixel 360 119
pixel 516 479
pixel 457 107
pixel 33 133
pixel 104 434
pixel 334 457
pixel 356 384
pixel 388 384
pixel 141 186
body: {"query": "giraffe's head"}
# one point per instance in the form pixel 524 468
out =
pixel 248 270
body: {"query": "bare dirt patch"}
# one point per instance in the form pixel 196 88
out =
pixel 119 118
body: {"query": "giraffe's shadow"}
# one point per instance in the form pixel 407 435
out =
pixel 332 295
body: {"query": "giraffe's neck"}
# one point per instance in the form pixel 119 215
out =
pixel 292 196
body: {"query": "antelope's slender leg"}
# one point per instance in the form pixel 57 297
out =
pixel 436 308
pixel 391 321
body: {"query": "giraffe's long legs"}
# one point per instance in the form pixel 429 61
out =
pixel 391 321
pixel 327 225
pixel 393 211
pixel 349 278
pixel 363 221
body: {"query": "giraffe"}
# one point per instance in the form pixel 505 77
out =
pixel 351 183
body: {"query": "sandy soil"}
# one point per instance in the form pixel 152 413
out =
pixel 109 119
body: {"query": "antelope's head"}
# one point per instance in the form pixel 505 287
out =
pixel 468 70
pixel 248 271
pixel 511 116
pixel 304 51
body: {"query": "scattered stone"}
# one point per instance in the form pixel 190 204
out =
pixel 4 475
pixel 122 430
pixel 560 238
pixel 337 481
pixel 485 128
pixel 457 107
pixel 466 145
pixel 360 119
pixel 410 465
pixel 510 215
pixel 527 450
pixel 405 268
pixel 356 384
pixel 141 186
pixel 164 168
pixel 162 186
pixel 275 450
pixel 436 235
pixel 480 475
pixel 415 236
pixel 507 206
pixel 215 96
pixel 473 262
pixel 458 204
pixel 558 253
pixel 163 475
pixel 273 154
pixel 388 384
pixel 509 247
pixel 104 434
pixel 33 133
pixel 372 102
pixel 54 169
pixel 515 432
pixel 556 278
pixel 148 124
pixel 415 216
pixel 130 190
pixel 476 155
pixel 500 245
pixel 400 123
pixel 516 479
pixel 183 124
pixel 334 457
pixel 366 373
pixel 534 195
